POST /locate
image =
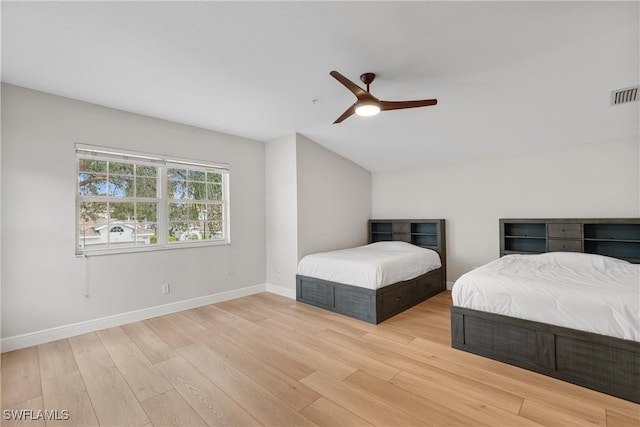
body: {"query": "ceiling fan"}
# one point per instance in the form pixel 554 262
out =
pixel 369 105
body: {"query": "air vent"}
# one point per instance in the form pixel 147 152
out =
pixel 622 96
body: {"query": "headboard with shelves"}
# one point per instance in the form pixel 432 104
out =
pixel 426 233
pixel 613 237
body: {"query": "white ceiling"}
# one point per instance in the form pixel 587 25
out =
pixel 509 76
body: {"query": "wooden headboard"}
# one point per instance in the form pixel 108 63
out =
pixel 613 237
pixel 426 233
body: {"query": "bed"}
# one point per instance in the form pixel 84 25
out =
pixel 563 300
pixel 403 265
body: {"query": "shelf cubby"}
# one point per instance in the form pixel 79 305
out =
pixel 424 234
pixel 523 237
pixel 525 244
pixel 381 231
pixel 614 240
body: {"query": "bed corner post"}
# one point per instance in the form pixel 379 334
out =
pixel 442 246
pixel 457 329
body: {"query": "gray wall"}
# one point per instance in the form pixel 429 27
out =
pixel 281 214
pixel 43 281
pixel 582 181
pixel 316 201
pixel 334 200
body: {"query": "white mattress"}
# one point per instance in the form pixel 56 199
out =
pixel 371 266
pixel 587 292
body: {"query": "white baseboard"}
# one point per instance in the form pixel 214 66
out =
pixel 40 337
pixel 279 290
pixel 449 285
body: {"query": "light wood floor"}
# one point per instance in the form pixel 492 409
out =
pixel 268 360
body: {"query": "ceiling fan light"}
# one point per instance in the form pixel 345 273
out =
pixel 367 109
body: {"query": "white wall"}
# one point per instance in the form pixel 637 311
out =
pixel 582 181
pixel 281 214
pixel 43 281
pixel 334 200
pixel 316 201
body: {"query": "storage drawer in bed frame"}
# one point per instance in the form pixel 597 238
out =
pixel 370 305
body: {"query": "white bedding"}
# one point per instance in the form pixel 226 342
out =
pixel 587 292
pixel 371 266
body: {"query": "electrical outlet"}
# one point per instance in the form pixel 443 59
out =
pixel 165 289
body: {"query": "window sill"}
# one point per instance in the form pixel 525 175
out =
pixel 150 248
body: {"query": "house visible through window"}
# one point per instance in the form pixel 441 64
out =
pixel 131 201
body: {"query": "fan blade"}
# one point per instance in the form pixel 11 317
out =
pixel 346 114
pixel 357 90
pixel 391 105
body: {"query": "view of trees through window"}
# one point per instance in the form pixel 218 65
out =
pixel 195 208
pixel 121 204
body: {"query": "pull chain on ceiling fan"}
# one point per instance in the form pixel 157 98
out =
pixel 369 105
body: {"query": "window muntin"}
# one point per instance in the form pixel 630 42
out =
pixel 131 202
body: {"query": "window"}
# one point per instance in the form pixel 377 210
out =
pixel 132 201
pixel 195 204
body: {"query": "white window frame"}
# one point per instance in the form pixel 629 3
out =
pixel 163 163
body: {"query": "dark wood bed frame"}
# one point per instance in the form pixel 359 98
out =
pixel 606 364
pixel 377 305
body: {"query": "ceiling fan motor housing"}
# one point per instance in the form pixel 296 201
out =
pixel 367 78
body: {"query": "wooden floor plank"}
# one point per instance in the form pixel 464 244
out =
pixel 273 300
pixel 67 392
pixel 169 333
pixel 459 403
pixel 143 378
pixel 258 341
pixel 472 388
pixel 170 409
pixel 434 333
pixel 360 403
pixel 56 359
pixel 348 322
pixel 326 413
pixel 197 314
pixel 293 320
pixel 113 401
pixel 20 376
pixel 549 416
pixel 256 400
pixel 347 356
pixel 616 419
pixel 285 313
pixel 184 323
pixel 331 320
pixel 322 362
pixel 23 414
pixel 148 342
pixel 388 357
pixel 242 310
pixel 411 403
pixel 281 385
pixel 212 404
